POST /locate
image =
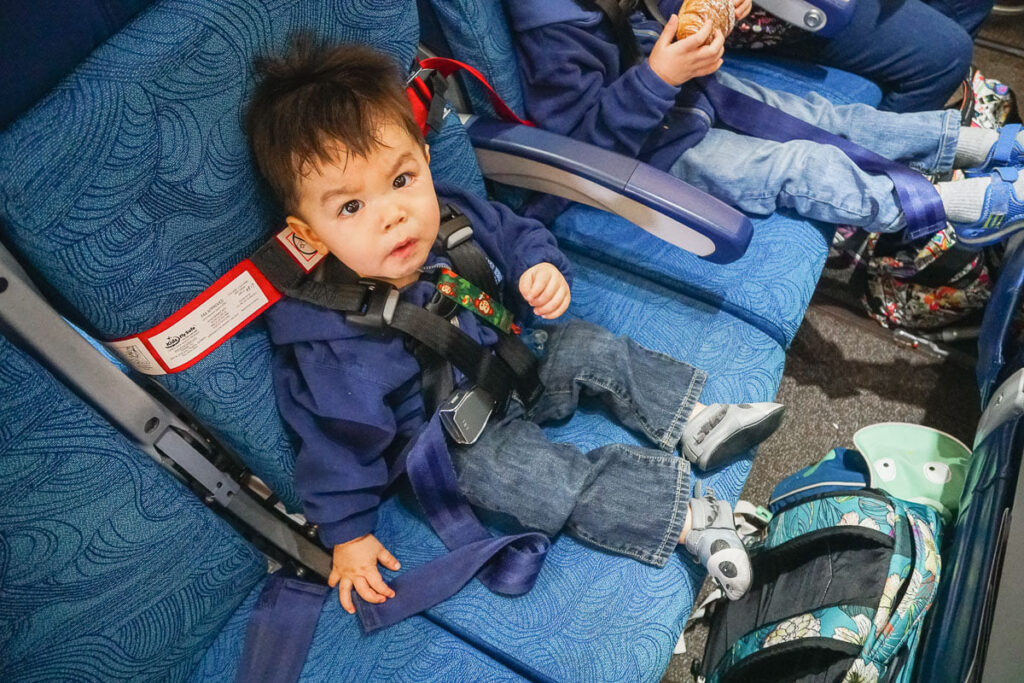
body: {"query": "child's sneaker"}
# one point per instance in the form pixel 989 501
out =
pixel 713 540
pixel 1002 211
pixel 1007 151
pixel 722 431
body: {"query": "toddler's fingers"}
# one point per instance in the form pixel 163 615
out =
pixel 526 283
pixel 334 578
pixel 345 596
pixel 564 307
pixel 540 281
pixel 550 288
pixel 695 41
pixel 376 582
pixel 362 587
pixel 551 306
pixel 708 70
pixel 668 33
pixel 718 44
pixel 389 560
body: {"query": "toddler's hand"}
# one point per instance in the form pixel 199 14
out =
pixel 355 566
pixel 677 62
pixel 743 8
pixel 545 289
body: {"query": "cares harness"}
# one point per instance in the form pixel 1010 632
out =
pixel 286 613
pixel 435 342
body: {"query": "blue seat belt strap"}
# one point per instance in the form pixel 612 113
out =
pixel 280 630
pixel 919 199
pixel 504 564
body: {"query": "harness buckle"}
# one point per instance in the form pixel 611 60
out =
pixel 378 307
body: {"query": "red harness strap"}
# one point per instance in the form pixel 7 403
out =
pixel 244 292
pixel 212 317
pixel 446 67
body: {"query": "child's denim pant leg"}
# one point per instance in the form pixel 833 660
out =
pixel 624 498
pixel 819 181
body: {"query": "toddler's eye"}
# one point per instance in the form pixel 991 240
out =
pixel 402 180
pixel 350 207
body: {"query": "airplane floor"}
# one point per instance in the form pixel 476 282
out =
pixel 880 381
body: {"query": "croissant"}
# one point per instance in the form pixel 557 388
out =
pixel 694 13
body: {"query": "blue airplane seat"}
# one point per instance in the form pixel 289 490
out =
pixel 129 188
pixel 108 567
pixel 112 570
pixel 771 285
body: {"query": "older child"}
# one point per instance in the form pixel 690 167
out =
pixel 332 132
pixel 625 84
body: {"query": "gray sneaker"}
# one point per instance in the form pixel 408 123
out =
pixel 722 431
pixel 713 541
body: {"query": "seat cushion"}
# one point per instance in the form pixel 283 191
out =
pixel 109 568
pixel 412 650
pixel 769 286
pixel 592 615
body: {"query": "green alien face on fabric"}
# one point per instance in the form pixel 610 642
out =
pixel 915 463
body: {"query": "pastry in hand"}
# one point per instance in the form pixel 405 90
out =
pixel 694 13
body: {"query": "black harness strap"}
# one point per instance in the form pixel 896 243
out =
pixel 455 236
pixel 375 304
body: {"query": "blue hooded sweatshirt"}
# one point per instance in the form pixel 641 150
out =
pixel 569 63
pixel 352 394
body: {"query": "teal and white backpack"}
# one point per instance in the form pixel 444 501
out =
pixel 842 582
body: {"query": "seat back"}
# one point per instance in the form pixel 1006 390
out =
pixel 108 567
pixel 129 187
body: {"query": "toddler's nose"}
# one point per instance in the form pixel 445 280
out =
pixel 393 216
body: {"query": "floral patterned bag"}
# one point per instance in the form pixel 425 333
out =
pixel 843 582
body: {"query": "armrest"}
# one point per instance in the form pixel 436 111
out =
pixel 823 17
pixel 660 203
pixel 998 321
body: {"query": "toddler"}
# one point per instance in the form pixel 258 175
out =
pixel 624 83
pixel 332 132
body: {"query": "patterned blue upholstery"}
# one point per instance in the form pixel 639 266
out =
pixel 412 650
pixel 769 286
pixel 108 567
pixel 130 189
pixel 129 186
pixel 477 33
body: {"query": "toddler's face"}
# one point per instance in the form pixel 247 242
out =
pixel 378 215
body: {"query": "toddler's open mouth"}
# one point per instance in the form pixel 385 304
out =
pixel 404 248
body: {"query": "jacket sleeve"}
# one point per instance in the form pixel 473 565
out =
pixel 344 424
pixel 514 243
pixel 566 91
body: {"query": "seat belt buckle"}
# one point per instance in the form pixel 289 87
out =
pixel 379 306
pixel 465 414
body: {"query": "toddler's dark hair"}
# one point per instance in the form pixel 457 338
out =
pixel 316 97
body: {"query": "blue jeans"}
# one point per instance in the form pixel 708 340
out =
pixel 819 181
pixel 624 498
pixel 918 52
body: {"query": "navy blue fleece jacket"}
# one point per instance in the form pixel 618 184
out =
pixel 353 394
pixel 569 63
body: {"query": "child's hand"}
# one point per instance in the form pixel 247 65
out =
pixel 545 289
pixel 677 62
pixel 742 8
pixel 355 566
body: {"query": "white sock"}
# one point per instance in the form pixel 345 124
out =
pixel 973 146
pixel 964 200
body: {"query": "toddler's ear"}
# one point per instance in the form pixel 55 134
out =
pixel 303 230
pixel 426 151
